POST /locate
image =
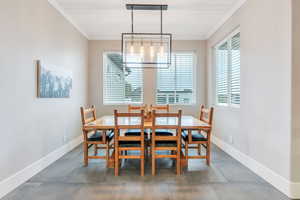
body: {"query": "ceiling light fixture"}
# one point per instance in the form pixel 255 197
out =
pixel 149 50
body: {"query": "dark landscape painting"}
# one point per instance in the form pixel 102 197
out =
pixel 53 82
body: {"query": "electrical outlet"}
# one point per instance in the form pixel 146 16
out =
pixel 230 139
pixel 65 138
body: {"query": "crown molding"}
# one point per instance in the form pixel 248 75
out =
pixel 174 37
pixel 228 14
pixel 66 16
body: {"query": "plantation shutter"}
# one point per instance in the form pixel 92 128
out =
pixel 228 64
pixel 235 70
pixel 175 84
pixel 222 73
pixel 121 85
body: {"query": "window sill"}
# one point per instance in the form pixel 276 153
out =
pixel 227 107
pixel 193 104
pixel 126 104
pixel 121 104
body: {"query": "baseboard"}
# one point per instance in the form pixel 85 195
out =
pixel 292 190
pixel 295 190
pixel 25 174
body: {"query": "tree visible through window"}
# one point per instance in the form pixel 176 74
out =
pixel 122 85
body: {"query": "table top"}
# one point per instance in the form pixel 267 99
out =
pixel 107 122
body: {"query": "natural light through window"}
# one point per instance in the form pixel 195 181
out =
pixel 175 85
pixel 228 71
pixel 122 85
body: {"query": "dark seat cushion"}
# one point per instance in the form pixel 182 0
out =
pixel 134 132
pixel 196 136
pixel 129 143
pixel 166 144
pixel 110 135
pixel 98 136
pixel 163 132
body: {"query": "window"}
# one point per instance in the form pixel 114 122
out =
pixel 175 85
pixel 121 85
pixel 228 71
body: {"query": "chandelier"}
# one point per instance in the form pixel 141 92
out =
pixel 148 50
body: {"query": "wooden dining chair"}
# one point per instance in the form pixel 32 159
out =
pixel 199 137
pixel 125 143
pixel 100 139
pixel 166 142
pixel 165 108
pixel 136 108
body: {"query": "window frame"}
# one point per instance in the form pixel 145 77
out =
pixel 194 87
pixel 104 53
pixel 227 39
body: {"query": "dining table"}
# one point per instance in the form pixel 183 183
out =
pixel 107 122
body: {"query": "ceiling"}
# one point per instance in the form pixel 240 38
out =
pixel 185 19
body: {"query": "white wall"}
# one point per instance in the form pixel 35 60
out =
pixel 30 127
pixel 96 49
pixel 261 127
pixel 296 92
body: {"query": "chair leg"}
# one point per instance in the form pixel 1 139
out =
pixel 153 161
pixel 186 147
pixel 199 149
pixel 95 149
pixel 85 153
pixel 173 160
pixel 178 170
pixel 146 152
pixel 208 154
pixel 116 162
pixel 143 162
pixel 107 154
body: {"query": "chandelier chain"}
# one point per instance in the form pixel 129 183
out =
pixel 132 19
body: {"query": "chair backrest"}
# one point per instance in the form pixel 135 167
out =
pixel 136 108
pixel 166 121
pixel 88 114
pixel 206 114
pixel 160 108
pixel 127 121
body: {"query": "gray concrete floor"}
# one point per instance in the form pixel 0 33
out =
pixel 225 179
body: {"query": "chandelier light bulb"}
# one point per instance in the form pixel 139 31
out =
pixel 131 48
pixel 151 51
pixel 142 50
pixel 162 50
